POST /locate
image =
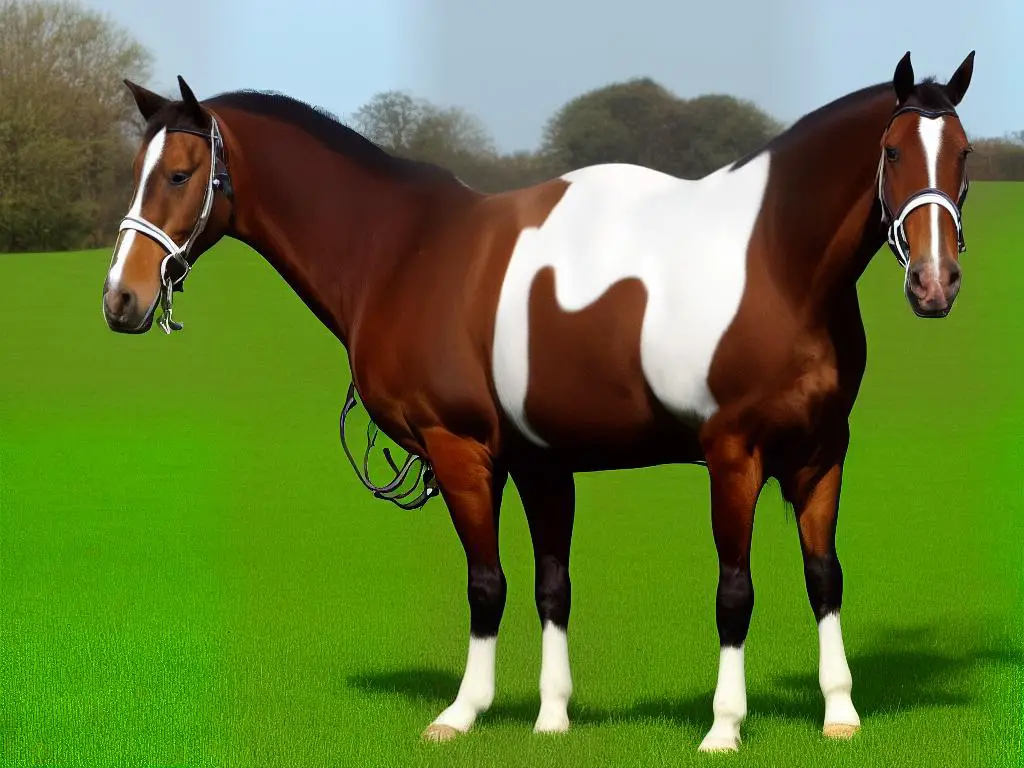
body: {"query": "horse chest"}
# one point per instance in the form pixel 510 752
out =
pixel 801 402
pixel 685 242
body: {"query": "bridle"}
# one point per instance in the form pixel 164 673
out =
pixel 219 181
pixel 895 233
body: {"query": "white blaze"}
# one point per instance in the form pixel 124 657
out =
pixel 149 162
pixel 930 130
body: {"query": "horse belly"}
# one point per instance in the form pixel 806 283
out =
pixel 586 382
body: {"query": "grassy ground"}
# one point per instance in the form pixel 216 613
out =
pixel 190 574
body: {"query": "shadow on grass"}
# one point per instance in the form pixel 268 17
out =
pixel 901 671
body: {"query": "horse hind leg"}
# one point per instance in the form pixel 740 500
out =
pixel 548 496
pixel 472 485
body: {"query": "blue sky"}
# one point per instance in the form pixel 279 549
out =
pixel 514 63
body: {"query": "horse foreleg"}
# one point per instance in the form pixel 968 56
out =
pixel 549 500
pixel 472 485
pixel 736 480
pixel 816 504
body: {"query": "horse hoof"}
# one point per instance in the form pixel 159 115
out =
pixel 438 733
pixel 719 745
pixel 839 731
pixel 552 720
pixel 559 727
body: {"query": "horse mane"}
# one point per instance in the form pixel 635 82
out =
pixel 330 131
pixel 928 94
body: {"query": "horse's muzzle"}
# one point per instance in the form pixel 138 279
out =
pixel 930 291
pixel 122 313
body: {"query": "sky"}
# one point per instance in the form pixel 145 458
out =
pixel 513 64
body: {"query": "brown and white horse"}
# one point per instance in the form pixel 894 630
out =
pixel 615 317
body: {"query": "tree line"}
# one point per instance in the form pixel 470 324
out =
pixel 69 130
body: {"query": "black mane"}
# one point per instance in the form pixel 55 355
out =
pixel 322 125
pixel 929 94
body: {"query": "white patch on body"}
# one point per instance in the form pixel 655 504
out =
pixel 555 681
pixel 685 240
pixel 930 131
pixel 150 160
pixel 730 703
pixel 834 674
pixel 476 693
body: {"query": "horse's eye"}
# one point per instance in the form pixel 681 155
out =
pixel 892 154
pixel 177 179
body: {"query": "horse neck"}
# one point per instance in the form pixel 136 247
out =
pixel 333 228
pixel 827 207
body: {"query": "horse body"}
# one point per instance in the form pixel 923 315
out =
pixel 685 243
pixel 615 317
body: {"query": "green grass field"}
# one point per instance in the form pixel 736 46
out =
pixel 190 573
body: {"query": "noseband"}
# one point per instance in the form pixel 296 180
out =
pixel 895 233
pixel 219 181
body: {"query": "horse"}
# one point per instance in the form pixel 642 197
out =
pixel 611 318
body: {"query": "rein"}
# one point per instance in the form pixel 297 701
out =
pixel 389 491
pixel 895 233
pixel 219 181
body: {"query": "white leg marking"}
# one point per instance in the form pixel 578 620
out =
pixel 835 678
pixel 476 693
pixel 153 153
pixel 555 681
pixel 730 703
pixel 930 130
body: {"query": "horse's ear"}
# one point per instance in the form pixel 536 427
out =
pixel 903 79
pixel 957 85
pixel 190 101
pixel 149 103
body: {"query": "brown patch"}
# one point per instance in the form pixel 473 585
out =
pixel 587 395
pixel 586 381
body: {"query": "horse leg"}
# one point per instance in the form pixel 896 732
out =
pixel 549 499
pixel 815 498
pixel 472 485
pixel 736 480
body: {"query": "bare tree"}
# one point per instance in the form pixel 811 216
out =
pixel 67 124
pixel 389 119
pixel 415 127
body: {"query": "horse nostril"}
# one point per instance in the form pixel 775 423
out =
pixel 119 303
pixel 954 278
pixel 915 282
